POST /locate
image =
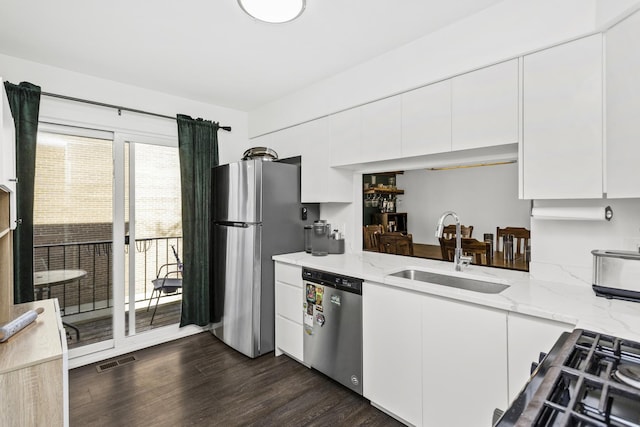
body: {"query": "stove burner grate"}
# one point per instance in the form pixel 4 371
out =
pixel 580 386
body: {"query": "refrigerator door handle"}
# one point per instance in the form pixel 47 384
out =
pixel 233 224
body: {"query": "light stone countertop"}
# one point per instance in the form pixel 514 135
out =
pixel 571 303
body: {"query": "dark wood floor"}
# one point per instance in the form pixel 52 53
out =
pixel 199 381
pixel 100 329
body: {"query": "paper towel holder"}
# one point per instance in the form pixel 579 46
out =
pixel 572 213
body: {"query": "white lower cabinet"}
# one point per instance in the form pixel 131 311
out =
pixel 392 351
pixel 464 374
pixel 527 337
pixel 288 301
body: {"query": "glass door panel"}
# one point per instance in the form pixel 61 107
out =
pixel 73 226
pixel 154 235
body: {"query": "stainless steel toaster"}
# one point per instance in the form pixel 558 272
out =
pixel 616 274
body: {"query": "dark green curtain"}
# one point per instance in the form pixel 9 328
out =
pixel 198 141
pixel 24 101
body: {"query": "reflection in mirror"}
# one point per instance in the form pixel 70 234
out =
pixel 495 222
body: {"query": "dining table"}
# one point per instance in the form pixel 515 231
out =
pixel 497 260
pixel 45 279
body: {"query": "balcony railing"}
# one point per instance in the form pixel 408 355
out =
pixel 93 292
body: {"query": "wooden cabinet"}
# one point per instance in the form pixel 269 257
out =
pixel 396 221
pixel 426 120
pixel 527 337
pixel 381 130
pixel 484 105
pixel 6 259
pixel 392 350
pixel 288 304
pixel 562 121
pixel 623 105
pixel 464 369
pixel 33 371
pixel 345 137
pixel 7 154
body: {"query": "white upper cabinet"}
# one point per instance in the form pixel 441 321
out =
pixel 484 105
pixel 287 142
pixel 381 129
pixel 623 108
pixel 7 155
pixel 426 120
pixel 321 182
pixel 562 121
pixel 345 136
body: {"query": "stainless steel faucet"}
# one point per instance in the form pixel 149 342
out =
pixel 459 260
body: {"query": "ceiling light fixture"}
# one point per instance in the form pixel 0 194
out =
pixel 273 11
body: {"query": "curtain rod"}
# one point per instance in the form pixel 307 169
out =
pixel 118 107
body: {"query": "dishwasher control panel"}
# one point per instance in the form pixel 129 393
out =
pixel 338 281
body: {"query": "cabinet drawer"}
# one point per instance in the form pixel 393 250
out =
pixel 289 337
pixel 289 302
pixel 291 274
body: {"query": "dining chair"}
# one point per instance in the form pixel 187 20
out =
pixel 396 243
pixel 521 238
pixel 371 234
pixel 449 231
pixel 480 251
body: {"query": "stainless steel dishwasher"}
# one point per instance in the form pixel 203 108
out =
pixel 332 315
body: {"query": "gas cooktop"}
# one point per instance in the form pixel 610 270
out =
pixel 587 379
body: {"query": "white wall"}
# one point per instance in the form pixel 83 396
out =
pixel 503 31
pixel 64 82
pixel 608 10
pixel 563 248
pixel 485 197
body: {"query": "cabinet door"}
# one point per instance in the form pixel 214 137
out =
pixel 464 351
pixel 287 142
pixel 623 105
pixel 392 350
pixel 345 136
pixel 381 129
pixel 321 182
pixel 562 123
pixel 484 106
pixel 426 120
pixel 7 154
pixel 527 337
pixel 288 305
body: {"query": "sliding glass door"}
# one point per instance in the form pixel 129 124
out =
pixel 153 230
pixel 107 224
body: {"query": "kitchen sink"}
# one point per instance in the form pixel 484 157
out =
pixel 452 281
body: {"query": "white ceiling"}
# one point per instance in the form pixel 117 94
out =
pixel 209 50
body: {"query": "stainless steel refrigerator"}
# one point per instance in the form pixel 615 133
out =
pixel 256 213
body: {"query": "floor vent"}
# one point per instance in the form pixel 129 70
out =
pixel 113 363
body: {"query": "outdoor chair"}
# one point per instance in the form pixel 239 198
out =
pixel 168 281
